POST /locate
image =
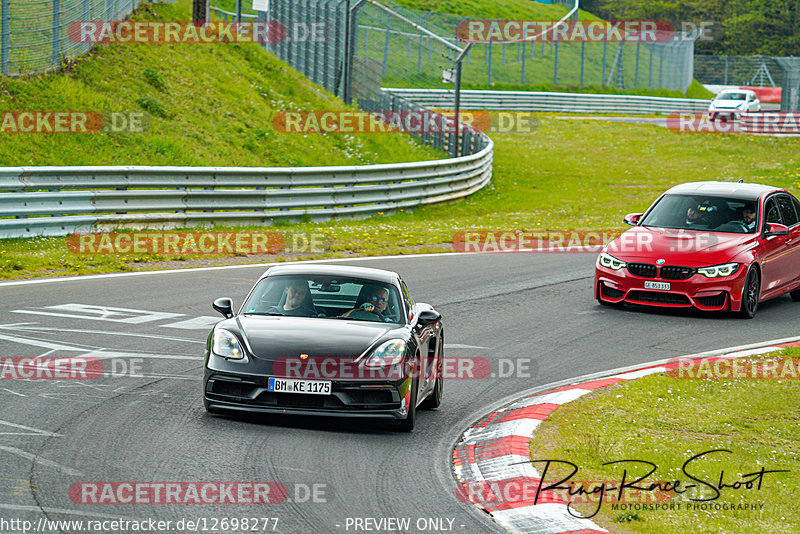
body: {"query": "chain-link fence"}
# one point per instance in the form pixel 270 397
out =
pixel 666 63
pixel 753 71
pixel 353 48
pixel 34 34
pixel 759 71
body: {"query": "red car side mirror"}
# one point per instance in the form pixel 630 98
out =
pixel 776 229
pixel 632 218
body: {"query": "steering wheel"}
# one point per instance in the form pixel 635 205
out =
pixel 365 315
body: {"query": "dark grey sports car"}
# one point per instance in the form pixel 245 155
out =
pixel 316 339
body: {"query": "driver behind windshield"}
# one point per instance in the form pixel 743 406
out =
pixel 377 298
pixel 749 217
pixel 297 301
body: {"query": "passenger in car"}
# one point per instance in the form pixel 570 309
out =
pixel 374 299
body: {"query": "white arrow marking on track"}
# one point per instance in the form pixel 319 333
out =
pixel 43 461
pixel 34 431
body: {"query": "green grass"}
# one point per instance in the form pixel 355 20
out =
pixel 667 421
pixel 565 175
pixel 207 105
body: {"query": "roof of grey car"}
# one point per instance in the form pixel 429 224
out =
pixel 378 275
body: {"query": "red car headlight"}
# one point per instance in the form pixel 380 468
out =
pixel 717 271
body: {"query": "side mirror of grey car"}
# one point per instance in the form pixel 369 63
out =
pixel 224 306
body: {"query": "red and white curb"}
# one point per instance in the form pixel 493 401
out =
pixel 493 456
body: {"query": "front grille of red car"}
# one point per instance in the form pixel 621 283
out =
pixel 674 272
pixel 642 270
pixel 658 297
pixel 714 301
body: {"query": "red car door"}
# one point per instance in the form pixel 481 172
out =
pixel 777 268
pixel 790 214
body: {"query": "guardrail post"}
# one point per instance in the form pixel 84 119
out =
pixel 56 53
pixel 5 33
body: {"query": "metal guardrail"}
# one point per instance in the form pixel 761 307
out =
pixel 57 201
pixel 554 102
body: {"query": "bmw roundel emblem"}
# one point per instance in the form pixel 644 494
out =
pixel 661 261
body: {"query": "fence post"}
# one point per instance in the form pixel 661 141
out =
pixel 636 72
pixel 583 58
pixel 524 60
pixel 555 61
pixel 489 51
pixel 605 54
pixel 56 54
pixel 650 70
pixel 5 32
pixel 386 45
pixel 726 70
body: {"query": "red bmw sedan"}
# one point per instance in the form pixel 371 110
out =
pixel 714 246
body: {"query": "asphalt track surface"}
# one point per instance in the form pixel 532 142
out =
pixel 533 312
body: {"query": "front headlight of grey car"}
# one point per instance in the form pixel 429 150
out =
pixel 226 345
pixel 388 353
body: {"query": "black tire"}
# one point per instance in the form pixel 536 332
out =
pixel 795 295
pixel 750 293
pixel 407 424
pixel 434 400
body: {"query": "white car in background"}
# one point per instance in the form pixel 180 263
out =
pixel 732 103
